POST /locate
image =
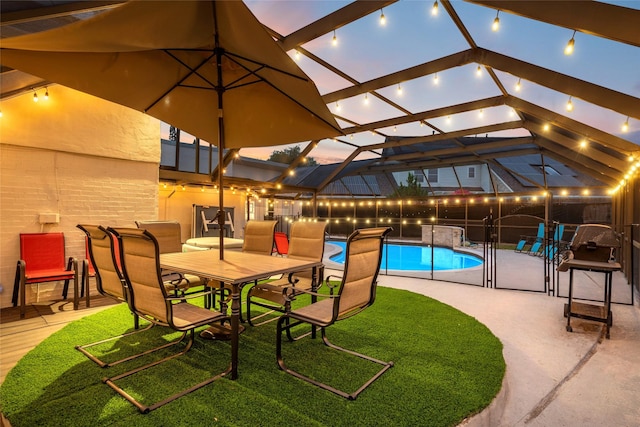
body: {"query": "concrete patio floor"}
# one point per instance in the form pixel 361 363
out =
pixel 554 378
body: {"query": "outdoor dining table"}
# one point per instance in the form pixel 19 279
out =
pixel 236 269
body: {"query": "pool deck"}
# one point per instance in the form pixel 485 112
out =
pixel 554 377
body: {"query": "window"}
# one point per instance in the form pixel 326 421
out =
pixel 472 172
pixel 432 175
pixel 548 170
pixel 419 175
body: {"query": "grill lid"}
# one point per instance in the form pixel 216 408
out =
pixel 594 236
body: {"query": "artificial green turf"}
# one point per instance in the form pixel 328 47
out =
pixel 448 366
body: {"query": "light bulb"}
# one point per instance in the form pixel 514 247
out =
pixel 496 23
pixel 570 46
pixel 297 56
pixel 481 113
pixel 518 86
pixel 569 105
pixel 478 71
pixel 46 94
pixel 366 99
pixel 583 143
pixel 334 41
pixel 35 97
pixel 434 9
pixel 625 126
pixel 399 89
pixel 435 79
pixel 338 106
pixel 383 19
pixel 546 127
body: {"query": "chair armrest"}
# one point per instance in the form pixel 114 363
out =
pixel 331 285
pixel 290 293
pixel 192 295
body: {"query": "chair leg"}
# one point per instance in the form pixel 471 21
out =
pixel 20 288
pixel 146 409
pixel 83 348
pixel 350 396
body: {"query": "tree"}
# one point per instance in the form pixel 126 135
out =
pixel 412 189
pixel 288 155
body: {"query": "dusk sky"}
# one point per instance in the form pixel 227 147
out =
pixel 412 35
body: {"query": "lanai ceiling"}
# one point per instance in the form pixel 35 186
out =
pixel 407 96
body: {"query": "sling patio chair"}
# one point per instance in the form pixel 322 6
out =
pixel 526 242
pixel 258 239
pixel 355 292
pixel 42 260
pixel 169 236
pixel 150 299
pixel 306 243
pixel 104 254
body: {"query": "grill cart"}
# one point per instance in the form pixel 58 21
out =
pixel 592 249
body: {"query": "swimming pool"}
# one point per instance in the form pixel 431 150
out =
pixel 417 258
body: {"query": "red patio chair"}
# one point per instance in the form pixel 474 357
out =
pixel 282 243
pixel 42 259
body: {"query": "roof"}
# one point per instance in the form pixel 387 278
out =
pixel 417 74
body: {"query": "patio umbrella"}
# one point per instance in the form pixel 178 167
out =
pixel 207 67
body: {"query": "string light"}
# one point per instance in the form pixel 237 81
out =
pixel 479 71
pixel 383 19
pixel 625 126
pixel 435 79
pixel 496 22
pixel 46 93
pixel 35 96
pixel 297 55
pixel 518 86
pixel 434 9
pixel 366 99
pixel 399 89
pixel 569 105
pixel 338 106
pixel 568 50
pixel 334 41
pixel 583 143
pixel 481 113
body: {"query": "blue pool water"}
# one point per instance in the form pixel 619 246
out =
pixel 411 257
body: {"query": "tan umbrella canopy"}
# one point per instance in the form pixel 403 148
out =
pixel 207 67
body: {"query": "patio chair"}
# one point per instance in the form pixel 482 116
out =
pixel 88 271
pixel 42 260
pixel 149 299
pixel 306 243
pixel 258 239
pixel 281 242
pixel 169 236
pixel 528 241
pixel 552 250
pixel 104 255
pixel 355 292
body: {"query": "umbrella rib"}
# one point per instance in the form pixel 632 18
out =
pixel 231 57
pixel 262 65
pixel 189 74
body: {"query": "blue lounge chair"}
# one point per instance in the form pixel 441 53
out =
pixel 530 240
pixel 551 250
